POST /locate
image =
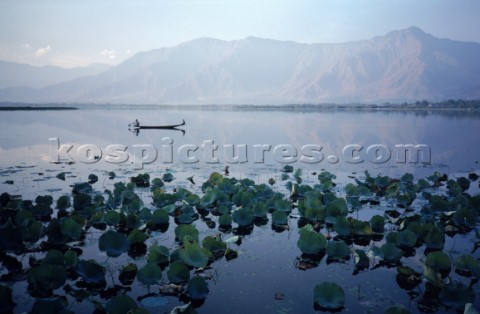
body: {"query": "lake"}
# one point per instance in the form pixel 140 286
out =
pixel 269 275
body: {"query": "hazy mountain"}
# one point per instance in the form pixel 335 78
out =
pixel 400 66
pixel 16 74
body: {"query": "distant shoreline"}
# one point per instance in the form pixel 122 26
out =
pixel 448 105
pixel 35 108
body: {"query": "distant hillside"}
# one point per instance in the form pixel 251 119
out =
pixel 404 65
pixel 23 75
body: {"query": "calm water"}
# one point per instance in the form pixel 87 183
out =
pixel 266 264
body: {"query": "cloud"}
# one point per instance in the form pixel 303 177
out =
pixel 26 46
pixel 110 53
pixel 42 51
pixel 128 52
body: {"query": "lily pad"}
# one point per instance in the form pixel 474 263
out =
pixel 91 272
pixel 121 304
pixel 113 243
pixel 45 278
pixel 149 274
pixel 178 272
pixel 243 217
pixel 338 250
pixel 329 295
pixel 194 255
pixel 197 288
pixel 311 242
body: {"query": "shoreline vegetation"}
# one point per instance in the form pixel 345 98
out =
pixel 448 105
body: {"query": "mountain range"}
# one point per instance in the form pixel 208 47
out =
pixel 403 65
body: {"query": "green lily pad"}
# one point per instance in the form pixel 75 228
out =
pixel 388 252
pixel 121 304
pixel 158 254
pixel 225 220
pixel 214 245
pixel 438 262
pixel 338 250
pixel 311 242
pixel 329 295
pixel 435 238
pixel 406 239
pixel 243 217
pixel 194 255
pixel 337 208
pixel 377 223
pixel 113 243
pixel 456 295
pixel 128 274
pixel 468 264
pixel 46 278
pixel 149 274
pixel 71 228
pixel 182 231
pixel 63 202
pixel 397 309
pixel 51 305
pixel 197 288
pixel 342 226
pixel 279 218
pixel 178 272
pixel 91 272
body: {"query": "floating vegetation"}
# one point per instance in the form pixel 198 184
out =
pixel 126 228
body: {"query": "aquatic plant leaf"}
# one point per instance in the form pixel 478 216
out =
pixel 91 272
pixel 214 245
pixel 225 220
pixel 121 304
pixel 329 295
pixel 396 309
pixel 377 223
pixel 70 259
pixel 311 242
pixel 260 210
pixel 141 180
pixel 435 238
pixel 45 278
pixel 54 257
pixel 181 231
pixel 167 177
pixel 136 237
pixel 33 233
pixel 406 239
pixel 456 295
pixel 194 255
pixel 438 262
pixel 338 250
pixel 149 274
pixel 243 216
pixel 337 208
pixel 51 305
pixel 361 260
pixel 113 243
pixel 63 202
pixel 154 301
pixel 128 274
pixel 361 228
pixel 279 217
pixel 197 288
pixel 111 218
pixel 92 178
pixel 160 217
pixel 468 264
pixel 465 217
pixel 388 252
pixel 178 272
pixel 71 228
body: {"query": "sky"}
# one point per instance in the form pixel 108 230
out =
pixel 72 33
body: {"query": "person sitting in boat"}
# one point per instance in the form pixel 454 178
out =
pixel 136 122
